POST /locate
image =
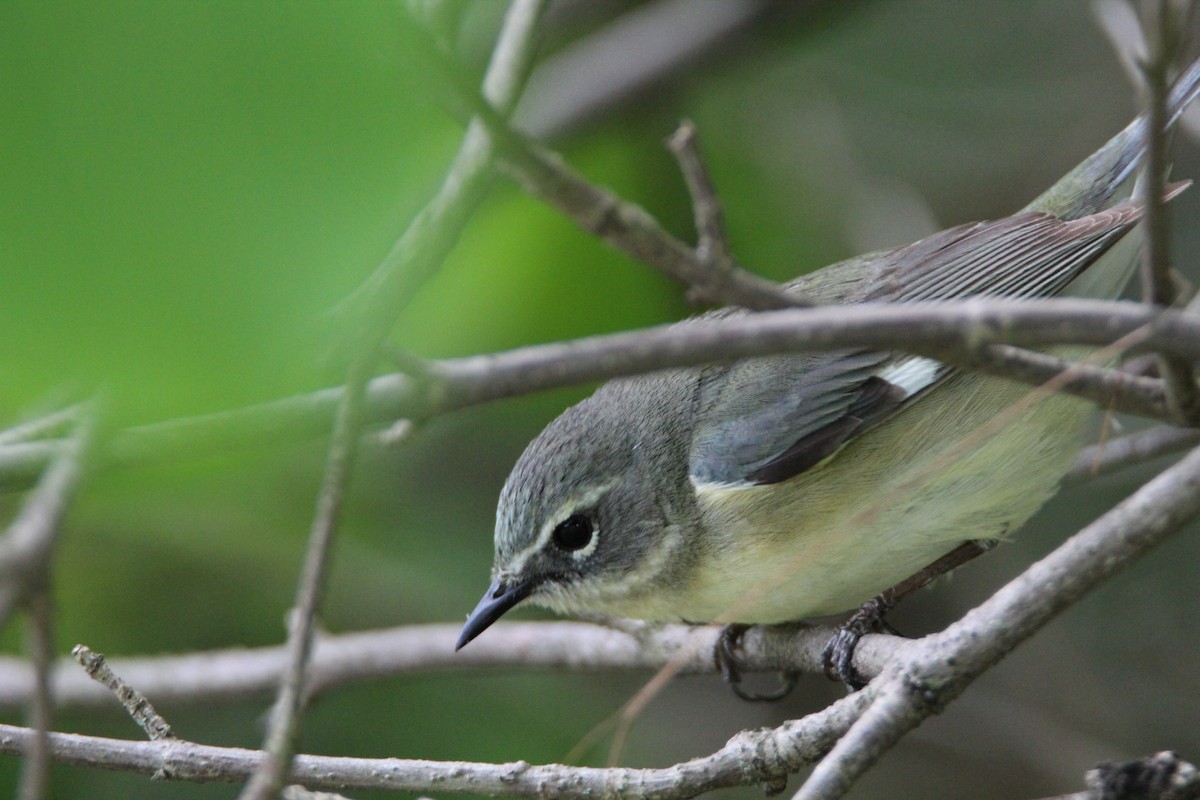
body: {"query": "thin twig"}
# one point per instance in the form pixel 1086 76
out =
pixel 140 709
pixel 413 259
pixel 1136 448
pixel 712 238
pixel 28 544
pixel 623 225
pixel 374 306
pixel 286 715
pixel 950 331
pixel 941 666
pixel 43 426
pixel 1106 387
pixel 724 282
pixel 1163 34
pixel 35 773
pixel 25 557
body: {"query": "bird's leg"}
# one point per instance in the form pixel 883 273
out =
pixel 727 661
pixel 838 656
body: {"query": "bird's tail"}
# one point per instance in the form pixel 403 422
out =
pixel 1103 178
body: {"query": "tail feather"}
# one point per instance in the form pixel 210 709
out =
pixel 1103 177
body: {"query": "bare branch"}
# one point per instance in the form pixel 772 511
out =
pixel 40 427
pixel 1108 388
pixel 951 331
pixel 25 555
pixel 941 666
pixel 337 660
pixel 413 259
pixel 35 773
pixel 624 225
pixel 284 727
pixel 29 541
pixel 750 757
pixel 1163 34
pixel 1110 456
pixel 724 282
pixel 709 217
pixel 136 705
pixel 374 306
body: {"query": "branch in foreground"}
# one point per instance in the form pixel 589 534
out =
pixel 43 426
pixel 35 772
pixel 951 331
pixel 940 667
pixel 1163 34
pixel 413 259
pixel 284 729
pixel 372 308
pixel 337 660
pixel 29 541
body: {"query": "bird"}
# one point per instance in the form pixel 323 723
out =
pixel 785 487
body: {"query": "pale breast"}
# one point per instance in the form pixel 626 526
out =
pixel 888 504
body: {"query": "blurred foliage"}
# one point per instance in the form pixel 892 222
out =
pixel 191 187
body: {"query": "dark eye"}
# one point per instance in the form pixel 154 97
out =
pixel 573 533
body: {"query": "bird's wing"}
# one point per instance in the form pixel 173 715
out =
pixel 765 420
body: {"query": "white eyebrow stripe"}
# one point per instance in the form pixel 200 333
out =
pixel 516 564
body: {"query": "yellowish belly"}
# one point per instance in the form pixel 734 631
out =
pixel 887 505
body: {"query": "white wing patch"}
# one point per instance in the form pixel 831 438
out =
pixel 912 374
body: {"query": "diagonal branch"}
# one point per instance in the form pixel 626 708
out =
pixel 941 666
pixel 623 225
pixel 374 306
pixel 28 544
pixel 139 708
pixel 414 258
pixel 284 728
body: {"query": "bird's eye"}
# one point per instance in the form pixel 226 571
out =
pixel 573 533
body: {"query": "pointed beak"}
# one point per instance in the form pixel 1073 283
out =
pixel 498 599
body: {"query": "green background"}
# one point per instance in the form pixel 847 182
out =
pixel 187 189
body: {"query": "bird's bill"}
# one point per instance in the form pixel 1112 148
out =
pixel 497 600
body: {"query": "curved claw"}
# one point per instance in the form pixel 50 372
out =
pixel 726 659
pixel 838 655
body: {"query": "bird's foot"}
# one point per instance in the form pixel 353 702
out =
pixel 726 658
pixel 838 656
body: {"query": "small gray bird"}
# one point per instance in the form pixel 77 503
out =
pixel 784 487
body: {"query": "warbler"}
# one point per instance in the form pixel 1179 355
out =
pixel 785 487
